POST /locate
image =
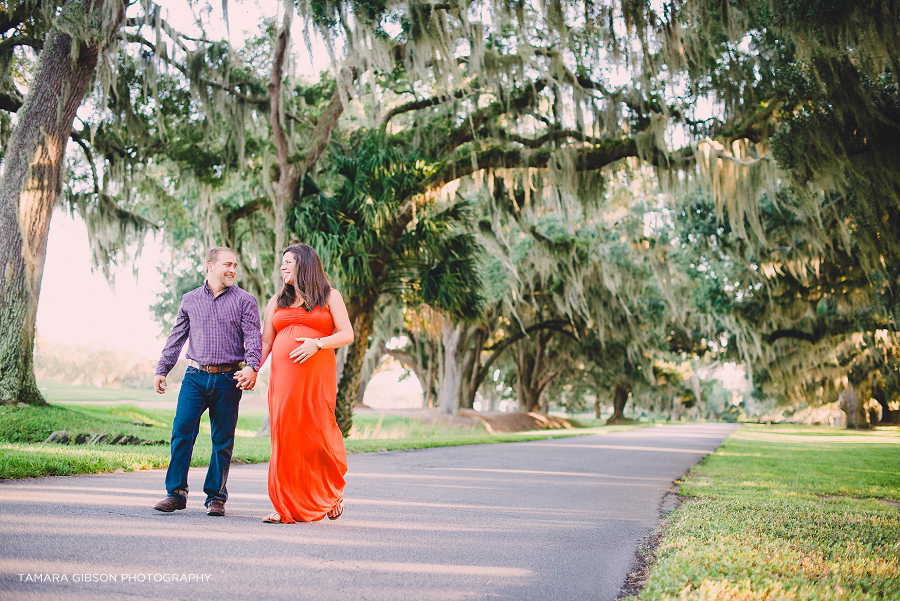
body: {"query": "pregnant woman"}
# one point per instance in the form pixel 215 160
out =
pixel 308 463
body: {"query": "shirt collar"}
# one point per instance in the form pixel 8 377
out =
pixel 210 292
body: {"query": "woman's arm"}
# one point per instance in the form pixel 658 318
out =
pixel 246 378
pixel 343 331
pixel 268 332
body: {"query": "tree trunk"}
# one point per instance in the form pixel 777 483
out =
pixel 421 363
pixel 448 394
pixel 361 318
pixel 428 387
pixel 286 175
pixel 620 398
pixel 530 400
pixel 676 409
pixel 472 371
pixel 531 375
pixel 370 363
pixel 851 403
pixel 32 181
pixel 887 415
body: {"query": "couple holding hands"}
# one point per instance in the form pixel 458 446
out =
pixel 226 350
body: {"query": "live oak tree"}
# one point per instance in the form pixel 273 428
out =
pixel 562 289
pixel 814 322
pixel 33 166
pixel 378 252
pixel 230 146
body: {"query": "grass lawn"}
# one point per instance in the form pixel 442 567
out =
pixel 786 513
pixel 55 392
pixel 23 453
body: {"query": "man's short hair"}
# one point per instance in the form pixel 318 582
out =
pixel 212 255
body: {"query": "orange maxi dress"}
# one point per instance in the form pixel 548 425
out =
pixel 308 462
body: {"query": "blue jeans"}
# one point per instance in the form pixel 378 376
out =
pixel 201 391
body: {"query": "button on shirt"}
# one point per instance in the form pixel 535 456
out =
pixel 219 329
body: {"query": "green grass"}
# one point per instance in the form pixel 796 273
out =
pixel 23 430
pixel 786 513
pixel 35 424
pixel 55 392
pixel 24 455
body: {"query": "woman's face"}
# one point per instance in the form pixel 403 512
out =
pixel 287 268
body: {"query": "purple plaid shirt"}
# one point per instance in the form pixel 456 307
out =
pixel 221 329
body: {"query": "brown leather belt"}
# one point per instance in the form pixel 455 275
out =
pixel 216 369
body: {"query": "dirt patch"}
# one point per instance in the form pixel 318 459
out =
pixel 67 437
pixel 516 421
pixel 887 502
pixel 645 554
pixel 494 422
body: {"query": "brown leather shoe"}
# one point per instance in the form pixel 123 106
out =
pixel 215 507
pixel 170 504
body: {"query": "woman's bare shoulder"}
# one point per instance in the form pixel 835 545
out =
pixel 333 297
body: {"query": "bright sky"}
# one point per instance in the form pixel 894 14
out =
pixel 79 307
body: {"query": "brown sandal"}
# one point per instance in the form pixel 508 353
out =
pixel 337 510
pixel 272 518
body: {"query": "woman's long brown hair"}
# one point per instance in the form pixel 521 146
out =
pixel 312 286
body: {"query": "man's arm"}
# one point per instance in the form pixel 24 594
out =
pixel 252 335
pixel 252 344
pixel 172 349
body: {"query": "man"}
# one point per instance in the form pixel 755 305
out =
pixel 221 322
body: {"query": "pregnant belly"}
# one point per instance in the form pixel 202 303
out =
pixel 286 341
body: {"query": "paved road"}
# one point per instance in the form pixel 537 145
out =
pixel 545 521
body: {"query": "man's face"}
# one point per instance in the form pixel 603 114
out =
pixel 223 270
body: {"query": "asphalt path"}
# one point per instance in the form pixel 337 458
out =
pixel 549 520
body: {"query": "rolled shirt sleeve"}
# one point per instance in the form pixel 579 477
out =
pixel 252 334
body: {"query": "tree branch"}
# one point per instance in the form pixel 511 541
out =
pixel 550 136
pixel 833 326
pixel 10 102
pixel 325 125
pixel 586 159
pixel 474 122
pixel 274 87
pixel 76 137
pixel 174 35
pixel 499 348
pixel 421 104
pixel 247 209
pixel 20 40
pixel 137 39
pixel 402 357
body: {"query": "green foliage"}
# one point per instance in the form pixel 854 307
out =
pixel 803 314
pixel 535 101
pixel 355 229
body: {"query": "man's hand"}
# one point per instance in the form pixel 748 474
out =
pixel 246 378
pixel 159 384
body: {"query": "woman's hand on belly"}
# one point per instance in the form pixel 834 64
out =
pixel 308 347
